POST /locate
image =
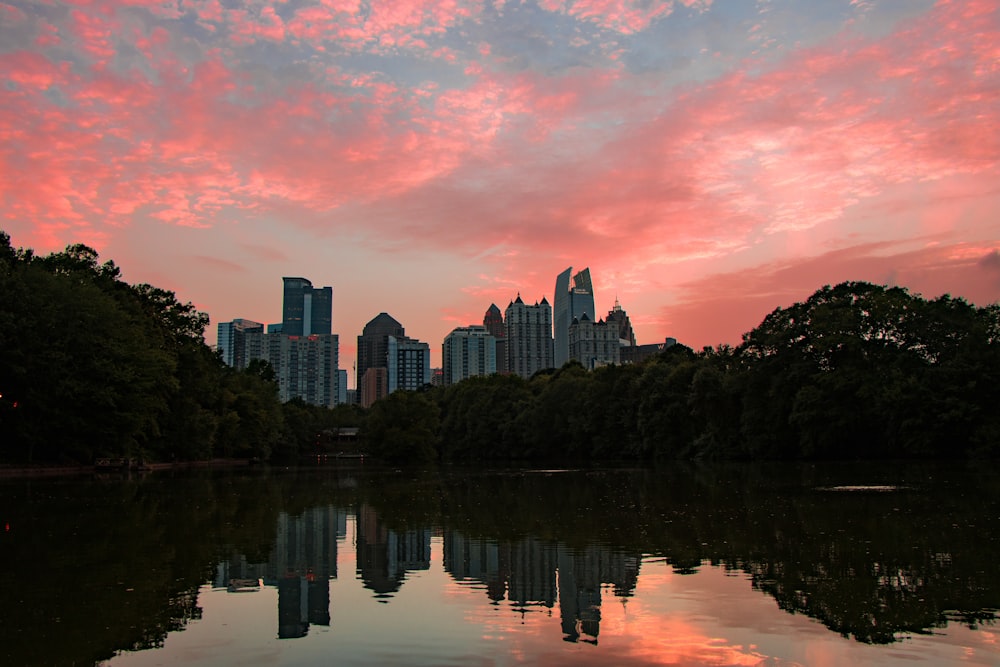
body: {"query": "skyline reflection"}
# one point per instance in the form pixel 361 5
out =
pixel 456 564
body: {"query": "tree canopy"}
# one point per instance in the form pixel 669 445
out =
pixel 91 366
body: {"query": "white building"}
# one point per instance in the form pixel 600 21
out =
pixel 467 352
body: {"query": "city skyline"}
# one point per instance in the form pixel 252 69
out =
pixel 708 161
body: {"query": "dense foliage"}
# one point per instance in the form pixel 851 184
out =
pixel 91 366
pixel 856 371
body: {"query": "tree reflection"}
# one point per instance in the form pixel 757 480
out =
pixel 90 569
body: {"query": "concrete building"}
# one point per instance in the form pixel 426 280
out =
pixel 306 367
pixel 570 302
pixel 529 337
pixel 594 344
pixel 467 352
pixel 618 316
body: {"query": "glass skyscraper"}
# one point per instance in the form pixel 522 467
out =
pixel 306 310
pixel 570 303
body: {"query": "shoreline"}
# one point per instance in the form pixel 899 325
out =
pixel 21 471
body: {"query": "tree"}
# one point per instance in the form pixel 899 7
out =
pixel 403 427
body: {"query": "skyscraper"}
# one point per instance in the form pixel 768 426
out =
pixel 570 303
pixel 408 364
pixel 232 340
pixel 467 352
pixel 625 333
pixel 493 321
pixel 529 337
pixel 306 309
pixel 373 343
pixel 303 353
pixel 306 367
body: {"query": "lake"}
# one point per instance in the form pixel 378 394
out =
pixel 359 565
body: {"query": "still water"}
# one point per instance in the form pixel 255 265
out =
pixel 736 565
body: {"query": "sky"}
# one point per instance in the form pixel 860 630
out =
pixel 708 160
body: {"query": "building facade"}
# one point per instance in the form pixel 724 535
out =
pixel 306 367
pixel 570 302
pixel 529 337
pixel 231 341
pixel 306 310
pixel 409 364
pixel 594 344
pixel 374 385
pixel 468 352
pixel 620 318
pixel 373 344
pixel 493 321
pixel 304 354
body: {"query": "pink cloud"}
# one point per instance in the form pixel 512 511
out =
pixel 719 308
pixel 625 16
pixel 526 171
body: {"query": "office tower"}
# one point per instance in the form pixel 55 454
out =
pixel 570 303
pixel 341 386
pixel 466 352
pixel 373 343
pixel 408 364
pixel 529 337
pixel 306 310
pixel 594 344
pixel 493 321
pixel 231 342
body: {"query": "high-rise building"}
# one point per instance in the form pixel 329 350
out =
pixel 493 321
pixel 306 309
pixel 570 303
pixel 374 385
pixel 341 386
pixel 306 367
pixel 232 341
pixel 529 337
pixel 304 354
pixel 467 352
pixel 373 343
pixel 594 344
pixel 408 364
pixel 619 317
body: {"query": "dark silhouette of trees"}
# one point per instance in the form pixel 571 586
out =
pixel 91 366
pixel 857 371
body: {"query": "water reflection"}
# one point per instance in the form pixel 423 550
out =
pixel 875 555
pixel 300 565
pixel 532 573
pixel 385 556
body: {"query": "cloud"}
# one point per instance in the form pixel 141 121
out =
pixel 517 138
pixel 219 263
pixel 719 308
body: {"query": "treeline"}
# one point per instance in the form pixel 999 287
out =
pixel 857 371
pixel 91 366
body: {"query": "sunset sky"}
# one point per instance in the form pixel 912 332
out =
pixel 709 160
